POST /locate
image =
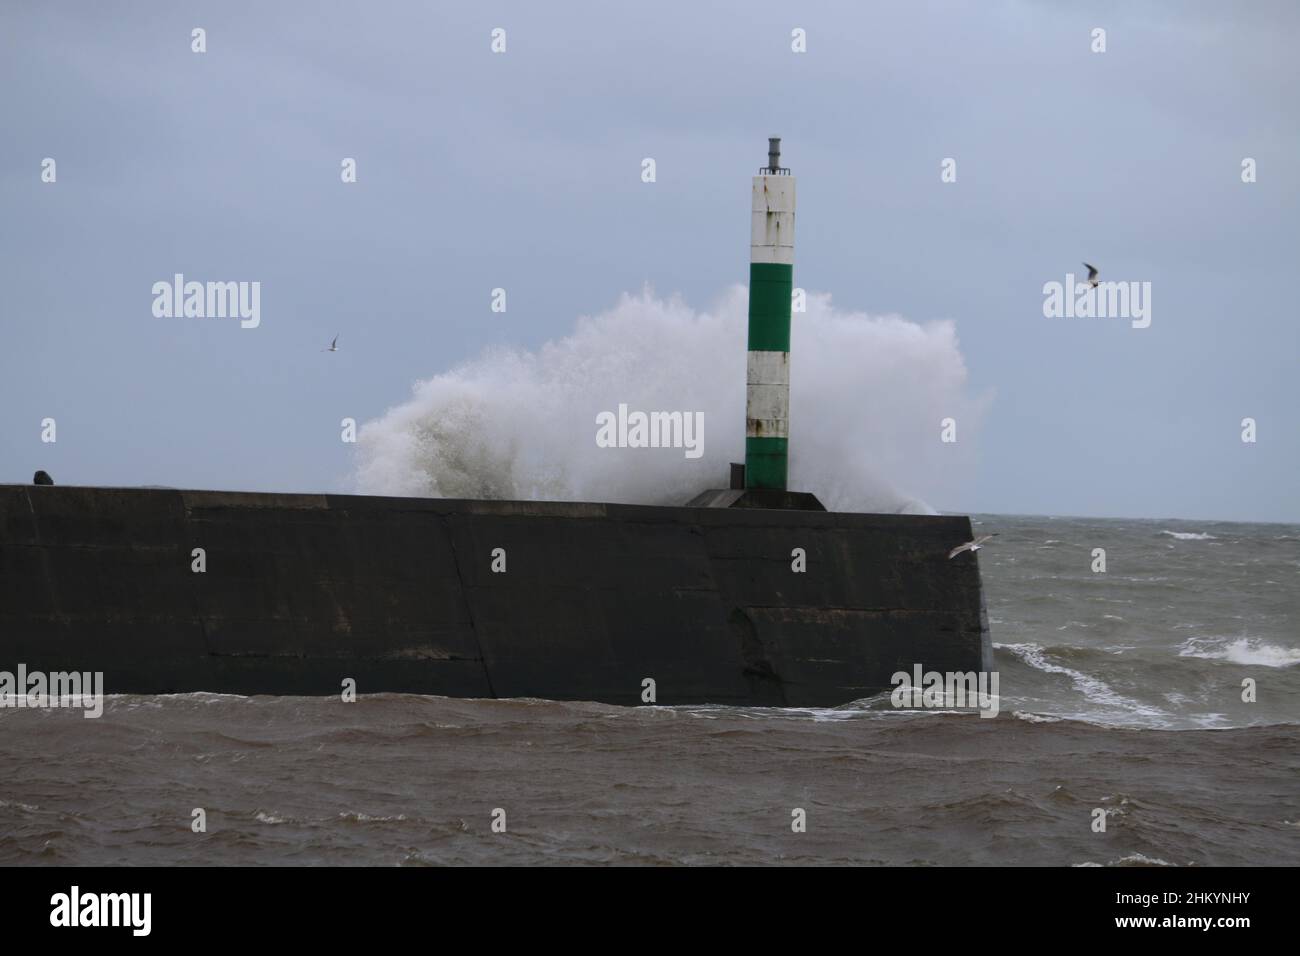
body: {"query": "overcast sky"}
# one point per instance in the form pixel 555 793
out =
pixel 522 170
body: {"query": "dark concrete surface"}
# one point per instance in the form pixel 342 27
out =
pixel 303 591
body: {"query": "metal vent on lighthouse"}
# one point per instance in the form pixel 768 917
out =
pixel 773 158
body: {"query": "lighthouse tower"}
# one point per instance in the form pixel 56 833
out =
pixel 761 481
pixel 771 282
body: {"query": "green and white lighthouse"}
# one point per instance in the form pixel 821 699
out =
pixel 771 284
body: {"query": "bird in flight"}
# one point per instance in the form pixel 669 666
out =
pixel 971 545
pixel 334 346
pixel 1092 275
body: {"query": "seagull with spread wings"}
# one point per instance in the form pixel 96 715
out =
pixel 971 545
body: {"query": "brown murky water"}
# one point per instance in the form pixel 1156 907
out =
pixel 1119 691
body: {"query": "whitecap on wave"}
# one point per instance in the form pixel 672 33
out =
pixel 1097 692
pixel 1241 650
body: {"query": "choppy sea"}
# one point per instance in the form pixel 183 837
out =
pixel 1122 691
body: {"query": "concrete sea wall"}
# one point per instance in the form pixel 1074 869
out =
pixel 303 591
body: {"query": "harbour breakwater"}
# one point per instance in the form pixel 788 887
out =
pixel 170 591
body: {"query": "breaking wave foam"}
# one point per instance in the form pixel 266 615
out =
pixel 1244 650
pixel 1096 691
pixel 867 396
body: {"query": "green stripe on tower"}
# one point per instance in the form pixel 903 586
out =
pixel 766 462
pixel 770 286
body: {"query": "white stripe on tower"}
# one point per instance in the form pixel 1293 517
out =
pixel 768 395
pixel 771 226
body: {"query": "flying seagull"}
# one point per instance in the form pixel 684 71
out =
pixel 1092 275
pixel 334 346
pixel 971 545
